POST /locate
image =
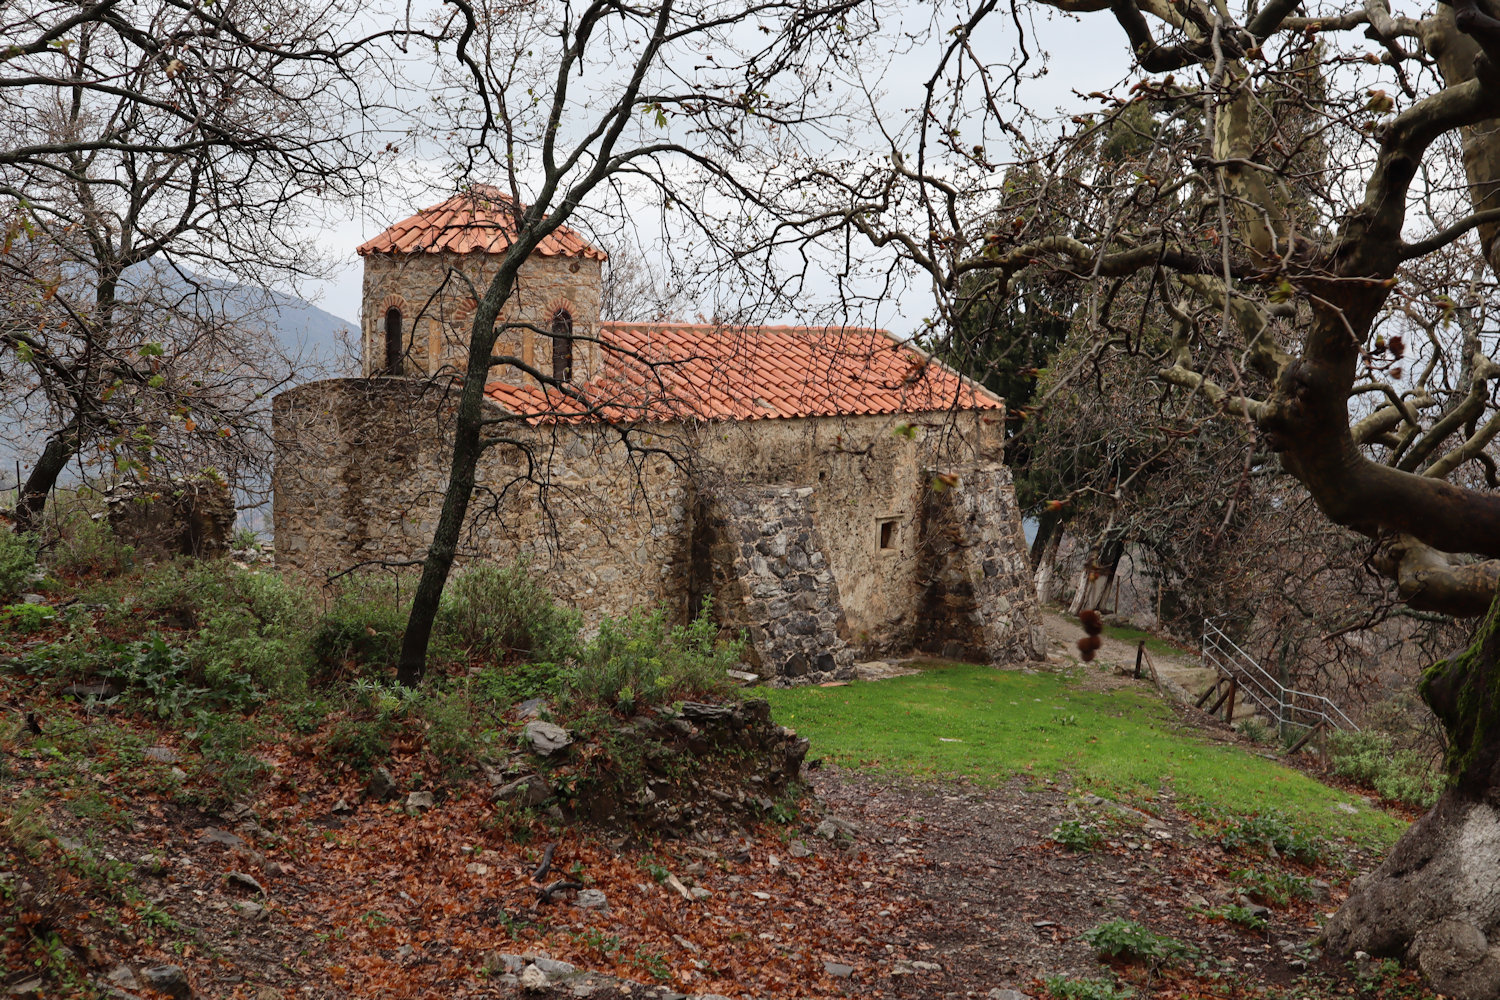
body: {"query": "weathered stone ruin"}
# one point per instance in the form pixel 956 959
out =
pixel 190 516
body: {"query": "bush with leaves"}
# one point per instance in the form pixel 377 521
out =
pixel 1077 836
pixel 17 562
pixel 247 647
pixel 501 613
pixel 504 686
pixel 1063 988
pixel 639 660
pixel 86 547
pixel 361 629
pixel 1272 831
pixel 376 716
pixel 26 618
pixel 226 761
pixel 1131 941
pixel 1273 888
pixel 1397 775
pixel 242 632
pixel 156 673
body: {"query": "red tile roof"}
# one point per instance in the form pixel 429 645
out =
pixel 479 220
pixel 680 371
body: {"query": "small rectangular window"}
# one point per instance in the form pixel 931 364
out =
pixel 888 534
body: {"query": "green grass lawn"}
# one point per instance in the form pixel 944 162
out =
pixel 987 725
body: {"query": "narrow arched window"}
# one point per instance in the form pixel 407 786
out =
pixel 394 342
pixel 562 346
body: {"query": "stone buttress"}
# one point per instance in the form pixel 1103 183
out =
pixel 772 579
pixel 979 599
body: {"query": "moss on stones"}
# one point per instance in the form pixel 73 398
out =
pixel 1463 691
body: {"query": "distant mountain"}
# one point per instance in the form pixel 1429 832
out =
pixel 321 345
pixel 328 345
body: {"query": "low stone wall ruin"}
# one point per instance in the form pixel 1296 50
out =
pixel 178 517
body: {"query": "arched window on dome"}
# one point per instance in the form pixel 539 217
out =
pixel 395 345
pixel 562 346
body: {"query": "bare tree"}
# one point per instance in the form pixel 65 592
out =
pixel 703 101
pixel 1310 233
pixel 634 291
pixel 148 153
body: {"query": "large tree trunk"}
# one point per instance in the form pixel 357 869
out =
pixel 31 499
pixel 1098 574
pixel 468 445
pixel 1046 569
pixel 1049 527
pixel 1435 902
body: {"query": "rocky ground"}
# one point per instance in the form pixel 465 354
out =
pixel 321 888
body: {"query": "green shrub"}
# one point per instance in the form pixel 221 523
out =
pixel 226 762
pixel 1129 940
pixel 305 716
pixel 450 730
pixel 155 672
pixel 362 629
pixel 247 649
pixel 643 659
pixel 26 618
pixel 182 593
pixel 504 686
pixel 501 613
pixel 1255 731
pixel 1272 831
pixel 86 546
pixel 17 562
pixel 378 714
pixel 361 742
pixel 1076 836
pixel 1243 916
pixel 240 634
pixel 1062 988
pixel 1397 775
pixel 1272 888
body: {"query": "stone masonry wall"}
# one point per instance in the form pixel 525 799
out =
pixel 436 326
pixel 978 592
pixel 772 578
pixel 361 465
pixel 865 471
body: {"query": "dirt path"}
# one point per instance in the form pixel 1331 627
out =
pixel 960 891
pixel 1183 671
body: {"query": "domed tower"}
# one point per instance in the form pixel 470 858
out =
pixel 423 275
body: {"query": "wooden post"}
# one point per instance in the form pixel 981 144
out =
pixel 1222 698
pixel 1140 651
pixel 1234 686
pixel 1203 698
pixel 1315 730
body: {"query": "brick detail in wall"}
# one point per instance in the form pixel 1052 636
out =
pixel 774 581
pixel 978 595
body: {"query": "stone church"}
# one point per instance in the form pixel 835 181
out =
pixel 840 495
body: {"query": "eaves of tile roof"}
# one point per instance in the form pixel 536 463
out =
pixel 481 219
pixel 683 371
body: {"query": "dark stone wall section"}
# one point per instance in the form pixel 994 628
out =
pixel 979 599
pixel 773 580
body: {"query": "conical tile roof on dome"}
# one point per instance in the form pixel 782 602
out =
pixel 481 219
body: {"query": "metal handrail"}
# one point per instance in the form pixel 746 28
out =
pixel 1288 706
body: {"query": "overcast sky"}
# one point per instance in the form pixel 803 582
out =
pixel 1082 54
